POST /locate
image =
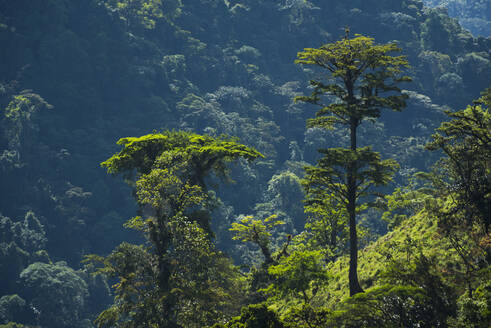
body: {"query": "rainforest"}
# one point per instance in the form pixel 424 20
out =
pixel 245 163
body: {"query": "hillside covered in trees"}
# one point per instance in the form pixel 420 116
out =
pixel 472 15
pixel 245 163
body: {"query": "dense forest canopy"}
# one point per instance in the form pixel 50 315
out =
pixel 472 15
pixel 227 202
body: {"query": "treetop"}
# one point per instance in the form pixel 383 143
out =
pixel 154 150
pixel 362 76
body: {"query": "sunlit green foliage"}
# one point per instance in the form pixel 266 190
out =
pixel 115 68
pixel 14 325
pixel 363 76
pixel 258 232
pixel 462 181
pixel 179 279
pixel 254 316
pixel 465 171
pixel 326 226
pixel 298 275
pixel 362 79
pixel 144 13
pixel 203 154
pixel 385 306
pixel 406 202
pixel 474 310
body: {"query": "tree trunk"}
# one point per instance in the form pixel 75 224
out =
pixel 354 285
pixel 267 254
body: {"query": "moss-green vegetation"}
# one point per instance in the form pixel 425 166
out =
pixel 416 234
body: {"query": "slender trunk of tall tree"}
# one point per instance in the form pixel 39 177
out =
pixel 357 70
pixel 354 285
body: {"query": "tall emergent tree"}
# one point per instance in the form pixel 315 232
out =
pixel 362 79
pixel 178 278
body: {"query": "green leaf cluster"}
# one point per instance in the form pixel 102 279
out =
pixel 203 155
pixel 363 77
pixel 465 172
pixel 144 14
pixel 257 231
pixel 179 278
pixel 300 274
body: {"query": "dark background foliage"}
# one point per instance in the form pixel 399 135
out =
pixel 77 75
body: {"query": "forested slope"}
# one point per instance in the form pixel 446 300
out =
pixel 473 15
pixel 77 75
